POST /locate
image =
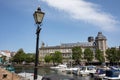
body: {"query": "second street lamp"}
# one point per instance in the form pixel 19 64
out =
pixel 38 16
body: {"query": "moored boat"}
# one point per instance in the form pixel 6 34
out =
pixel 70 70
pixel 100 73
pixel 85 70
pixel 112 75
pixel 59 66
pixel 29 76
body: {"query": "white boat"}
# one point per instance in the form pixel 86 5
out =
pixel 85 70
pixel 71 69
pixel 29 76
pixel 60 66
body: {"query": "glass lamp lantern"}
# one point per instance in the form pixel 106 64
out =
pixel 38 16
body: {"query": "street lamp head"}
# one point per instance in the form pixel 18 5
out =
pixel 38 16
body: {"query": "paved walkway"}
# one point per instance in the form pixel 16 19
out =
pixel 6 75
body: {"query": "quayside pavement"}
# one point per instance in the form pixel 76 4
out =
pixel 6 75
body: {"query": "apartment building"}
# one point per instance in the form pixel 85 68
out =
pixel 100 42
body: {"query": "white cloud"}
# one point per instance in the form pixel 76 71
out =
pixel 85 11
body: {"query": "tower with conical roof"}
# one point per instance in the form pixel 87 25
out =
pixel 100 41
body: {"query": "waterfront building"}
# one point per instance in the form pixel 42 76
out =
pixel 7 54
pixel 101 43
pixel 66 48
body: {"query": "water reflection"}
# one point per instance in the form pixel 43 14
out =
pixel 46 71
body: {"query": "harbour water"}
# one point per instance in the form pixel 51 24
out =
pixel 46 71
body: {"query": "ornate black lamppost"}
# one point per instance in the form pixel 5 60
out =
pixel 38 16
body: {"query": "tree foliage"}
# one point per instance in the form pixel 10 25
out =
pixel 118 55
pixel 77 54
pixel 29 57
pixel 113 55
pixel 88 54
pixel 48 58
pixel 99 56
pixel 3 58
pixel 21 56
pixel 57 57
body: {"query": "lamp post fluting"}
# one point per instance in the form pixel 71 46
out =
pixel 38 17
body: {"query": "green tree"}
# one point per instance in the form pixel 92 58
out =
pixel 29 57
pixel 57 57
pixel 3 58
pixel 99 56
pixel 112 55
pixel 88 55
pixel 19 57
pixel 118 55
pixel 77 54
pixel 47 58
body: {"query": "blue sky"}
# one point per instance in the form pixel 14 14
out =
pixel 65 21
